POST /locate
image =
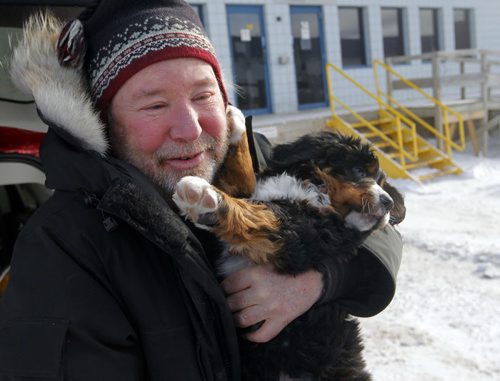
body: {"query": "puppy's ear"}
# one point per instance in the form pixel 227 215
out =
pixel 236 176
pixel 398 212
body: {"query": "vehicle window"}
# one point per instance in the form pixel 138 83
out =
pixel 11 21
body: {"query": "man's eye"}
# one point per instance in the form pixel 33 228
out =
pixel 156 106
pixel 359 172
pixel 203 96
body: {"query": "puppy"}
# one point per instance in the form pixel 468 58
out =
pixel 317 201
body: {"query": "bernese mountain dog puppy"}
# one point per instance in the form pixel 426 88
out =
pixel 319 198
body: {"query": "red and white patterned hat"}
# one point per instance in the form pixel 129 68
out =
pixel 122 37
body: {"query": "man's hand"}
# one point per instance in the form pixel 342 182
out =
pixel 258 293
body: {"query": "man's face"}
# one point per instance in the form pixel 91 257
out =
pixel 169 120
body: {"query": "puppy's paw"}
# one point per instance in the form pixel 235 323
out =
pixel 197 200
pixel 236 121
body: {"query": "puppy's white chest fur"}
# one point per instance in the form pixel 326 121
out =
pixel 282 187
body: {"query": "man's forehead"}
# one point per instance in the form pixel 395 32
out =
pixel 198 81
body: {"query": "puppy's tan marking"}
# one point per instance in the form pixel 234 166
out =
pixel 248 228
pixel 344 196
pixel 236 176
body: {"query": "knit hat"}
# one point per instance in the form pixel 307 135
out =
pixel 122 37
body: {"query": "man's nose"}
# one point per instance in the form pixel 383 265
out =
pixel 184 123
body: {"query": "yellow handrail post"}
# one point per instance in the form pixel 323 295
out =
pixel 400 141
pixel 330 91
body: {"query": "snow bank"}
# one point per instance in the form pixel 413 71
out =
pixel 443 323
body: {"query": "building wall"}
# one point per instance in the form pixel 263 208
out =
pixel 485 35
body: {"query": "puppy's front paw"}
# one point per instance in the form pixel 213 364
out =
pixel 236 121
pixel 197 200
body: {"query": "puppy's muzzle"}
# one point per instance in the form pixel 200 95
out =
pixel 386 202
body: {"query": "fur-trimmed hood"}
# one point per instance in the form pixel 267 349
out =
pixel 60 93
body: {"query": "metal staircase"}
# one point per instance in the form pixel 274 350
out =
pixel 392 130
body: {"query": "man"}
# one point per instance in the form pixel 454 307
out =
pixel 108 283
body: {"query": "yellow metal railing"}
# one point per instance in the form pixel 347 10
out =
pixel 445 110
pixel 398 118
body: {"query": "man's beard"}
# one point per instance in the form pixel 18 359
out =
pixel 166 178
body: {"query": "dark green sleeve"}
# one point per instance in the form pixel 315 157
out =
pixel 369 279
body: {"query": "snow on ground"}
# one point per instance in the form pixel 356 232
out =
pixel 444 322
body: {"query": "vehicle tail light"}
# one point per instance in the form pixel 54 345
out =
pixel 15 140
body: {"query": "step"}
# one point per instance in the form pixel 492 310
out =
pixel 423 150
pixel 382 144
pixel 433 175
pixel 385 144
pixel 374 134
pixel 397 154
pixel 425 163
pixel 394 155
pixel 372 122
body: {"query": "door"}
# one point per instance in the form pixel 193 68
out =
pixel 248 50
pixel 309 55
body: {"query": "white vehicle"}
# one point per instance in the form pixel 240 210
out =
pixel 22 179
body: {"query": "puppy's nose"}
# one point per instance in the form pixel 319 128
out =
pixel 386 202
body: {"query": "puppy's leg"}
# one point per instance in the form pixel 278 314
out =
pixel 236 176
pixel 250 229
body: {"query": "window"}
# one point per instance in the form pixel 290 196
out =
pixel 429 32
pixel 462 18
pixel 250 69
pixel 352 38
pixel 392 31
pixel 307 31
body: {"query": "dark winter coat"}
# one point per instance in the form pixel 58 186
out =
pixel 108 283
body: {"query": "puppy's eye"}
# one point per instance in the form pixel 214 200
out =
pixel 359 172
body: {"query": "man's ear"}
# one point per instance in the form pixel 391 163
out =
pixel 398 212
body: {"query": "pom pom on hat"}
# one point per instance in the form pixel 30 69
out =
pixel 71 45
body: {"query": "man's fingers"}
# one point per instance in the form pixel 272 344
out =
pixel 249 316
pixel 268 331
pixel 236 282
pixel 240 300
pixel 258 294
pixel 243 279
